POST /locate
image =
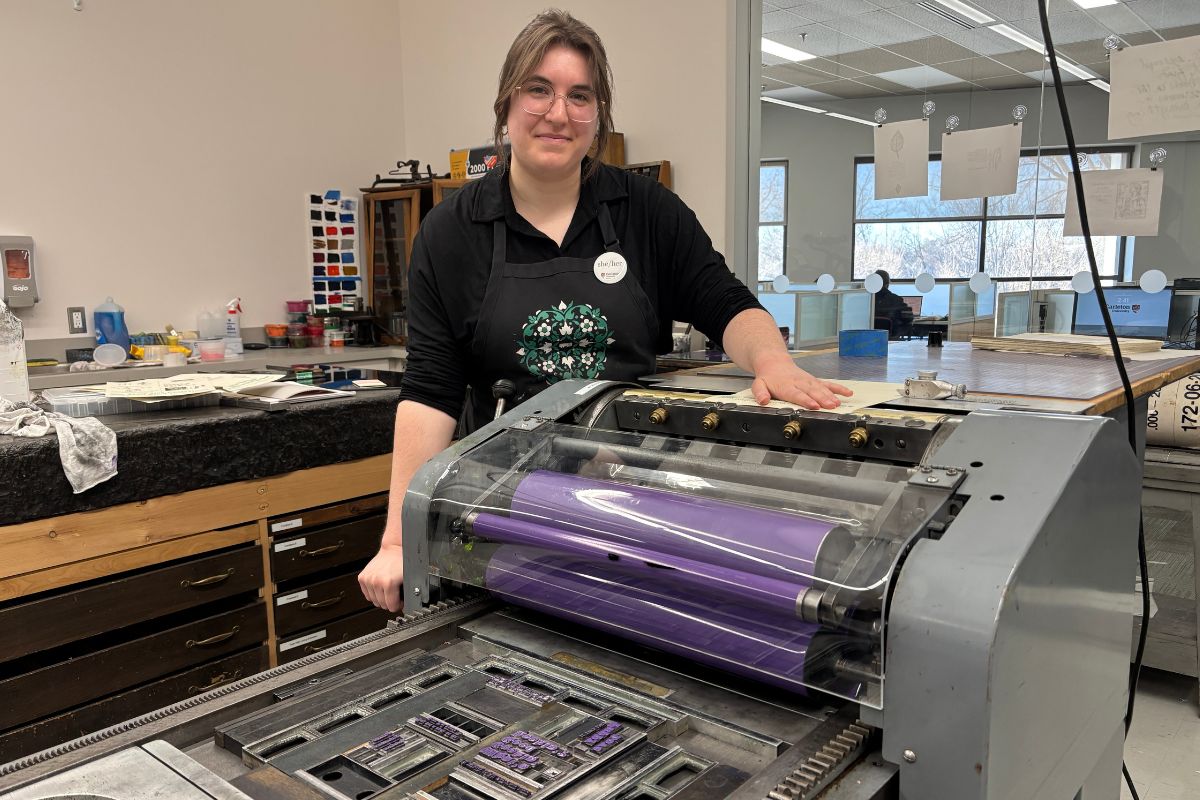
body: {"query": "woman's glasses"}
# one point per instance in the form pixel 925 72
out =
pixel 538 98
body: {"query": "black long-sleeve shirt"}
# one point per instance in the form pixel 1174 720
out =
pixel 669 253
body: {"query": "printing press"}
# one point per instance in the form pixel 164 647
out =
pixel 618 593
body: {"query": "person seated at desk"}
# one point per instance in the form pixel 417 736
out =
pixel 892 314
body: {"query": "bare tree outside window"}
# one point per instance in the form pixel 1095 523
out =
pixel 772 219
pixel 1018 236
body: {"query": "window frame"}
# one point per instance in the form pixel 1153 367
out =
pixel 1122 266
pixel 772 162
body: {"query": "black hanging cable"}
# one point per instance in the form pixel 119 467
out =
pixel 1130 417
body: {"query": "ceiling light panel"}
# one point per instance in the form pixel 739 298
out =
pixel 774 48
pixel 850 119
pixel 1094 3
pixel 1018 37
pixel 789 104
pixel 964 10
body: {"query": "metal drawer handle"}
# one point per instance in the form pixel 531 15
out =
pixel 209 581
pixel 220 637
pixel 322 551
pixel 316 648
pixel 217 680
pixel 324 603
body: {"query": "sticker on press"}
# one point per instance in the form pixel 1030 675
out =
pixel 610 267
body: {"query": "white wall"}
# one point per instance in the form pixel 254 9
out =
pixel 670 61
pixel 821 152
pixel 161 150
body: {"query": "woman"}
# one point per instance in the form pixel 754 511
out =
pixel 557 266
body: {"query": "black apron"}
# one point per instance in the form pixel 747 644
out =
pixel 541 323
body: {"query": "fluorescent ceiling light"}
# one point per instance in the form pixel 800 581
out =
pixel 1095 3
pixel 1099 84
pixel 783 51
pixel 790 104
pixel 1074 69
pixel 850 119
pixel 968 11
pixel 1019 38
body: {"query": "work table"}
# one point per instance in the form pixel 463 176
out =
pixel 167 452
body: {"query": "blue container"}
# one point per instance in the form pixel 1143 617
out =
pixel 109 320
pixel 869 344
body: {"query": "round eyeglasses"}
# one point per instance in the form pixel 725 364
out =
pixel 538 98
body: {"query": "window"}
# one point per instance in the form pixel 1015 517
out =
pixel 772 218
pixel 1018 236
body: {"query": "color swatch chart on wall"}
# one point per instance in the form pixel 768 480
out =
pixel 333 224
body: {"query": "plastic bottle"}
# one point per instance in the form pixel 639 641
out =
pixel 233 326
pixel 14 372
pixel 109 319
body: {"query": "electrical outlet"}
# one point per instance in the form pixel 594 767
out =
pixel 76 321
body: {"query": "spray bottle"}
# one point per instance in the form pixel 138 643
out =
pixel 233 326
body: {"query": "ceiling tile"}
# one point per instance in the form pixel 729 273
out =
pixel 776 21
pixel 834 69
pixel 1014 81
pixel 879 28
pixel 961 86
pixel 1181 32
pixel 1010 10
pixel 1084 52
pixel 1161 14
pixel 848 89
pixel 1023 60
pixel 929 21
pixel 1067 77
pixel 819 40
pixel 922 77
pixel 786 3
pixel 797 75
pixel 885 85
pixel 971 69
pixel 874 60
pixel 1064 28
pixel 1118 19
pixel 824 10
pixel 932 50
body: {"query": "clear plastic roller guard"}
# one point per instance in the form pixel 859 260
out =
pixel 776 574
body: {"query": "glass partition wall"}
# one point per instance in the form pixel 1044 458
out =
pixel 971 266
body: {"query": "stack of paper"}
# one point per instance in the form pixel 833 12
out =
pixel 289 392
pixel 1065 344
pixel 186 385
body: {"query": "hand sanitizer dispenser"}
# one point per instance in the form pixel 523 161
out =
pixel 17 268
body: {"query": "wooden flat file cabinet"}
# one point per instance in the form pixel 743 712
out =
pixel 109 614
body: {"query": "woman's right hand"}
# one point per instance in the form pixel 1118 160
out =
pixel 382 578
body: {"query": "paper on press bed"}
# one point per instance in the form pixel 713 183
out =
pixel 866 393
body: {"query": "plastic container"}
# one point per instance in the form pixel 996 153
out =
pixel 335 338
pixel 211 349
pixel 298 306
pixel 298 339
pixel 275 329
pixel 110 355
pixel 14 372
pixel 210 325
pixel 277 341
pixel 174 360
pixel 109 321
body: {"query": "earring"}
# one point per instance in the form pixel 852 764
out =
pixel 504 130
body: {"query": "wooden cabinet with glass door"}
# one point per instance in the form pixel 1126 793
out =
pixel 392 217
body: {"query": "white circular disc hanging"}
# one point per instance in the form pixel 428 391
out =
pixel 826 283
pixel 925 283
pixel 1153 281
pixel 980 282
pixel 1082 283
pixel 873 283
pixel 781 283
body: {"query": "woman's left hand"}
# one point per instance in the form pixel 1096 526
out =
pixel 781 379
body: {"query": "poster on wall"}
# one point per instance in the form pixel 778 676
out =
pixel 333 233
pixel 902 159
pixel 980 163
pixel 1120 202
pixel 1155 89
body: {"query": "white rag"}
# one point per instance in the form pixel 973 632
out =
pixel 86 446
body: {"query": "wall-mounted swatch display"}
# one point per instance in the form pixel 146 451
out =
pixel 334 242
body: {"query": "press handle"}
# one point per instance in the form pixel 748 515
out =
pixel 217 680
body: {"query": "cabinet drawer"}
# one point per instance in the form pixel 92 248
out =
pixel 85 678
pixel 318 603
pixel 336 632
pixel 320 549
pixel 126 705
pixel 71 615
pixel 292 523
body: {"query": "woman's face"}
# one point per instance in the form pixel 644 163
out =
pixel 552 145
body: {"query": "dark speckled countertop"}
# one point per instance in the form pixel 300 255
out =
pixel 174 451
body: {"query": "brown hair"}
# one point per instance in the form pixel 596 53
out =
pixel 552 28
